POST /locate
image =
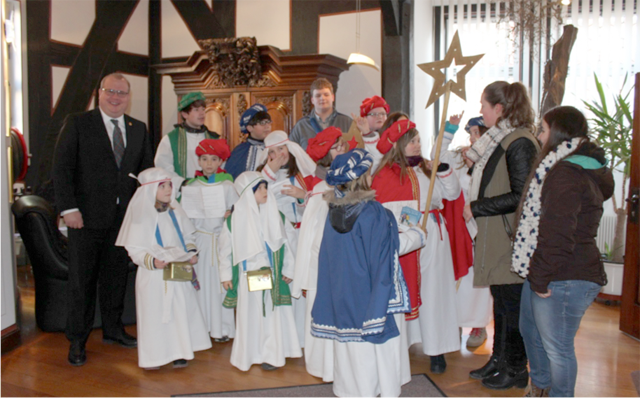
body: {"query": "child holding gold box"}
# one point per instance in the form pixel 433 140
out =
pixel 170 325
pixel 256 266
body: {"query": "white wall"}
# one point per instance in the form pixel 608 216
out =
pixel 337 36
pixel 422 83
pixel 269 21
pixel 135 37
pixel 71 20
pixel 177 40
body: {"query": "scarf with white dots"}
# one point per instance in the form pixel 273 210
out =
pixel 526 239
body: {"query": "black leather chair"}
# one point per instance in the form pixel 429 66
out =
pixel 47 250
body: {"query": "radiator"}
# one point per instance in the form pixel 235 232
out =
pixel 606 232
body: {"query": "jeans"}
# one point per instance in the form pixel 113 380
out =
pixel 549 326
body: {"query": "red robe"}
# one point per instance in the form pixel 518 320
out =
pixel 389 188
pixel 459 238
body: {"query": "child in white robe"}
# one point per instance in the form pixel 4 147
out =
pixel 287 170
pixel 220 320
pixel 169 321
pixel 254 238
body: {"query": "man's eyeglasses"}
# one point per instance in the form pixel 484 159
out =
pixel 377 114
pixel 110 92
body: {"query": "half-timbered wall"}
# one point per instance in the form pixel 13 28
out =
pixel 71 44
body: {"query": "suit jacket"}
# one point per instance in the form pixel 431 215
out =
pixel 85 173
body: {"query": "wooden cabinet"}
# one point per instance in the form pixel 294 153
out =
pixel 234 74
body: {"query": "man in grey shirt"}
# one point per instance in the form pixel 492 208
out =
pixel 322 116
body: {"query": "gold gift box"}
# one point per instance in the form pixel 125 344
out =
pixel 182 272
pixel 259 279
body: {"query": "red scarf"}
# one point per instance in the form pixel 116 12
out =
pixel 390 187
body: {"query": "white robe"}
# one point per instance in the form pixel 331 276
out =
pixel 184 331
pixel 164 156
pixel 318 353
pixel 437 324
pixel 368 370
pixel 220 320
pixel 259 339
pixel 474 304
pixel 293 212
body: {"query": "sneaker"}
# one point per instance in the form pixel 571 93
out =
pixel 222 339
pixel 477 337
pixel 180 363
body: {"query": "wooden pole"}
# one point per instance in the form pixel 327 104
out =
pixel 436 159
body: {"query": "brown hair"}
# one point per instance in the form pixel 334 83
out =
pixel 565 123
pixel 194 104
pixel 516 105
pixel 321 83
pixel 292 166
pixel 396 155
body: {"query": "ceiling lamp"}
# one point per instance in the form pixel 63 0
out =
pixel 356 57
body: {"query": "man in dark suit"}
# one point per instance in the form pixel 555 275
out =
pixel 94 155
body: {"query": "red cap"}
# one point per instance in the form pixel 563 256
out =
pixel 372 103
pixel 393 134
pixel 213 147
pixel 319 146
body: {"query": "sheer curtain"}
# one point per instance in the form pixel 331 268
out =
pixel 608 43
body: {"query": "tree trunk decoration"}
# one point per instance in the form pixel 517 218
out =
pixel 556 69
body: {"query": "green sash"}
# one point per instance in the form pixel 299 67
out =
pixel 178 140
pixel 280 294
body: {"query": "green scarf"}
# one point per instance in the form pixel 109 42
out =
pixel 280 293
pixel 178 140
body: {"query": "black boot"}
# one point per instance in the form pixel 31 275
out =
pixel 495 362
pixel 438 364
pixel 506 378
pixel 489 369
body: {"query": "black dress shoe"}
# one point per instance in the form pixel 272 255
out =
pixel 507 378
pixel 489 369
pixel 77 355
pixel 438 364
pixel 267 366
pixel 180 363
pixel 124 339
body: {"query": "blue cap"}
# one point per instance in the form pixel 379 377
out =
pixel 249 114
pixel 474 121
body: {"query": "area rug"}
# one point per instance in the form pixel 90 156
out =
pixel 419 386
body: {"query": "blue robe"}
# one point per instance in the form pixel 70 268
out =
pixel 360 281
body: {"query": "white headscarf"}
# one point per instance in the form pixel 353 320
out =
pixel 140 221
pixel 251 224
pixel 305 164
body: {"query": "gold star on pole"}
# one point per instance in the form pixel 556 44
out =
pixel 434 69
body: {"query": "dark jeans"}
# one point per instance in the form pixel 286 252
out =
pixel 96 265
pixel 508 345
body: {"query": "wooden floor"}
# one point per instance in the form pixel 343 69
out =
pixel 39 366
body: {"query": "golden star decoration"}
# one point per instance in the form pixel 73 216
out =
pixel 434 69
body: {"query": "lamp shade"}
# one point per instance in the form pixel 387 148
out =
pixel 361 59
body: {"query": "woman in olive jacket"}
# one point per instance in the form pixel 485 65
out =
pixel 503 157
pixel 555 247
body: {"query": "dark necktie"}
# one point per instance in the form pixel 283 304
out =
pixel 118 142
